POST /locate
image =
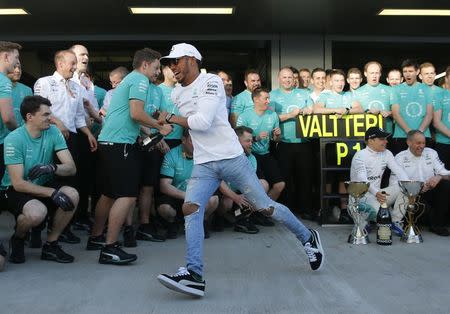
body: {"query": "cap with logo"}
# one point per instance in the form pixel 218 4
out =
pixel 182 50
pixel 374 132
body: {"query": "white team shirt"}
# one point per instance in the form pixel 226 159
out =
pixel 421 168
pixel 67 108
pixel 369 165
pixel 87 89
pixel 203 103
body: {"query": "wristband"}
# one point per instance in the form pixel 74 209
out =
pixel 168 117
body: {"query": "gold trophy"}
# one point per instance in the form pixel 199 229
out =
pixel 356 190
pixel 413 210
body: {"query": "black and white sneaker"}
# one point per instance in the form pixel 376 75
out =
pixel 113 254
pixel 67 236
pixel 314 250
pixel 184 281
pixel 95 243
pixel 51 251
pixel 149 232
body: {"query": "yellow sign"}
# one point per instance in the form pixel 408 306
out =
pixel 322 125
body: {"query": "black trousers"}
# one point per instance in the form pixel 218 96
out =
pixel 443 151
pixel 438 203
pixel 296 164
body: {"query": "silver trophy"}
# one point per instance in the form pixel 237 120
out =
pixel 412 211
pixel 356 191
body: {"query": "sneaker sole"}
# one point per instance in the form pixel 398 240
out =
pixel 51 258
pixel 319 246
pixel 244 230
pixel 175 286
pixel 145 237
pixel 121 262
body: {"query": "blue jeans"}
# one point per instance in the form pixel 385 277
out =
pixel 205 180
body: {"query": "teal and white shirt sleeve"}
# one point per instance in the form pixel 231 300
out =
pixel 168 165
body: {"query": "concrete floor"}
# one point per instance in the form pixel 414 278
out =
pixel 263 273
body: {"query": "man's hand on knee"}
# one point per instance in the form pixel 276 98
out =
pixel 62 201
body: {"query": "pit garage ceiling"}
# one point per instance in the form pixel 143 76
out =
pixel 326 17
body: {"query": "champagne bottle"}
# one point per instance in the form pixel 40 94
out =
pixel 384 221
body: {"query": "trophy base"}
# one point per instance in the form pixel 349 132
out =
pixel 358 240
pixel 417 238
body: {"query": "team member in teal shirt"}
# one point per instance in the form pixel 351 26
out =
pixel 28 180
pixel 174 138
pixel 120 158
pixel 441 122
pixel 176 170
pixel 354 80
pixel 151 163
pixel 295 155
pixel 19 92
pixel 100 94
pixel 414 107
pixel 265 125
pixel 243 101
pixel 232 197
pixel 335 101
pixel 374 97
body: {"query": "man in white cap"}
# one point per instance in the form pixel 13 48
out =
pixel 218 156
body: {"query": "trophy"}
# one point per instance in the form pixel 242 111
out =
pixel 356 191
pixel 413 210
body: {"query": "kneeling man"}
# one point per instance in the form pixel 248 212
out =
pixel 28 179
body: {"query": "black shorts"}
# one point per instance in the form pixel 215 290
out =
pixel 119 169
pixel 17 200
pixel 175 203
pixel 151 166
pixel 269 168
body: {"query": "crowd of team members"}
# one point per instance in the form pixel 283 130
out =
pixel 62 147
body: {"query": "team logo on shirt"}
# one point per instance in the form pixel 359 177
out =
pixel 376 104
pixel 414 110
pixel 211 88
pixel 291 108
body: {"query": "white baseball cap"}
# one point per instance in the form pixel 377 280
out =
pixel 182 50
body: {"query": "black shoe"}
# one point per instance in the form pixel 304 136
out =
pixel 129 239
pixel 307 216
pixel 206 233
pixel 259 219
pixel 185 282
pixel 314 250
pixel 67 236
pixel 113 254
pixel 95 243
pixel 148 232
pixel 16 250
pixel 440 231
pixel 172 230
pixel 83 224
pixel 52 251
pixel 35 239
pixel 245 225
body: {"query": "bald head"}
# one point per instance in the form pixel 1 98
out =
pixel 82 55
pixel 286 79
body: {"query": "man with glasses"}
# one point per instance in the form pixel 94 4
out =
pixel 218 156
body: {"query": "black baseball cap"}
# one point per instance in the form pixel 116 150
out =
pixel 375 132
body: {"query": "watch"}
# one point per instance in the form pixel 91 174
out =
pixel 168 117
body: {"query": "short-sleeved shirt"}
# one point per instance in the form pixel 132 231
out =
pixel 334 100
pixel 259 123
pixel 5 93
pixel 436 94
pixel 380 97
pixel 177 167
pixel 283 103
pixel 21 148
pixel 19 92
pixel 100 94
pixel 118 126
pixel 242 102
pixel 170 107
pixel 413 101
pixel 444 105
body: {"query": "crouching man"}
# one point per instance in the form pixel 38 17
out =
pixel 28 179
pixel 368 165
